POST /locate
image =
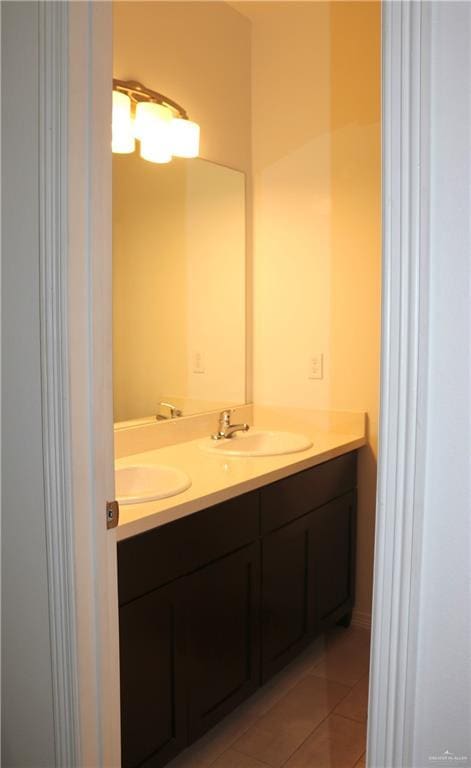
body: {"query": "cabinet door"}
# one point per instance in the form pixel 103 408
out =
pixel 153 726
pixel 222 637
pixel 334 530
pixel 287 599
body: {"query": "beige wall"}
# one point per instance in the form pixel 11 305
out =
pixel 356 246
pixel 292 201
pixel 316 166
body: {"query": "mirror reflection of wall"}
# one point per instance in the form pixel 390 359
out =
pixel 178 287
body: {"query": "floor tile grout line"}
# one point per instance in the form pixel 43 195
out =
pixel 259 759
pixel 362 757
pixel 347 717
pixel 307 737
pixel 312 733
pixel 339 682
pixel 348 694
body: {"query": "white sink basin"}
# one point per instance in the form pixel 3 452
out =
pixel 258 443
pixel 149 482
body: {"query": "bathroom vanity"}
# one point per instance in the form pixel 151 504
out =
pixel 216 602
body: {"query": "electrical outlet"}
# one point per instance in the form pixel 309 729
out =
pixel 316 366
pixel 198 363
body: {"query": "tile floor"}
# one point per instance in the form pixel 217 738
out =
pixel 311 715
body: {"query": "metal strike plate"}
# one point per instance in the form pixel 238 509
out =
pixel 112 514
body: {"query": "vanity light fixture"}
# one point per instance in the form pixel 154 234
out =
pixel 122 135
pixel 152 128
pixel 159 123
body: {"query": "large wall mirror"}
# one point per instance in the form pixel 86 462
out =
pixel 179 325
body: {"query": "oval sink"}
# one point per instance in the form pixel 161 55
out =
pixel 258 443
pixel 147 483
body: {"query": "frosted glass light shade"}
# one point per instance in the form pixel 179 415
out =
pixel 185 138
pixel 151 118
pixel 122 138
pixel 152 127
pixel 154 150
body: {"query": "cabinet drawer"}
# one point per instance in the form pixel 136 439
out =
pixel 154 558
pixel 294 496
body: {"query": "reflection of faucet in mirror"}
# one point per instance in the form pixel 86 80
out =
pixel 175 412
pixel 226 429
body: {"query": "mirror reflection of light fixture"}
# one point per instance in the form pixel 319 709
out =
pixel 159 123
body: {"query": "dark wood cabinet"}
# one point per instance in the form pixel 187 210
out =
pixel 155 558
pixel 189 596
pixel 213 604
pixel 307 579
pixel 222 627
pixel 153 714
pixel 287 594
pixel 189 654
pixel 299 494
pixel 334 541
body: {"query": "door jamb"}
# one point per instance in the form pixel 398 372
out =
pixel 90 324
pixel 406 42
pixel 75 75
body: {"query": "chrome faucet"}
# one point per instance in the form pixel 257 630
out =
pixel 226 429
pixel 175 412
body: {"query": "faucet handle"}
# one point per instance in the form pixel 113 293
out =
pixel 224 423
pixel 225 417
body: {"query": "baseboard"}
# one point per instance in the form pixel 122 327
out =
pixel 361 619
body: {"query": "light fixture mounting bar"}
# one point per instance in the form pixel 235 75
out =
pixel 139 92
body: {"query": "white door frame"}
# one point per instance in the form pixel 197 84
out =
pixel 75 97
pixel 75 77
pixel 90 333
pixel 406 43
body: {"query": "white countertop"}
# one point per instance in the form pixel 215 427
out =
pixel 215 478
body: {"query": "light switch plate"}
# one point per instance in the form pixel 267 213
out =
pixel 198 363
pixel 316 366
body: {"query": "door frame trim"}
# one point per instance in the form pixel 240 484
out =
pixel 74 81
pixel 57 468
pixel 406 42
pixel 90 328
